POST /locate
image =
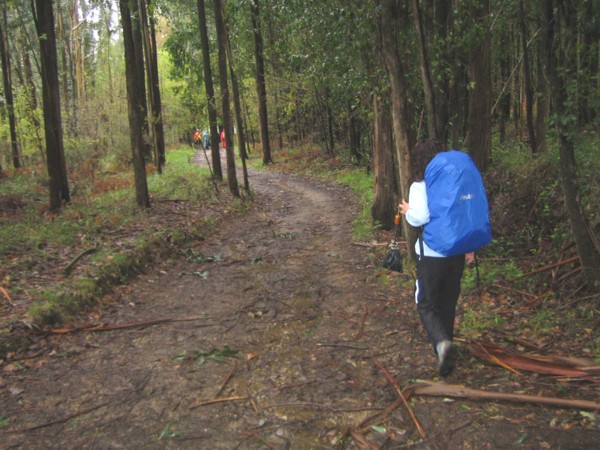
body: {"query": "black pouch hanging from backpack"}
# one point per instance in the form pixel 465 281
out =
pixel 393 259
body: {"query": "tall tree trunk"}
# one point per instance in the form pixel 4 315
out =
pixel 402 137
pixel 226 109
pixel 134 106
pixel 542 107
pixel 55 153
pixel 210 93
pixel 527 78
pixel 479 134
pixel 385 200
pixel 8 90
pixel 559 67
pixel 261 86
pixel 237 106
pixel 140 67
pixel 425 72
pixel 24 73
pixel 156 122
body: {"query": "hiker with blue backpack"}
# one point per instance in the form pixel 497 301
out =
pixel 447 200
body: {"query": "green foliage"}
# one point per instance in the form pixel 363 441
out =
pixel 40 239
pixel 361 184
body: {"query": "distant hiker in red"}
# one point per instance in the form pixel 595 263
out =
pixel 223 141
pixel 447 201
pixel 197 137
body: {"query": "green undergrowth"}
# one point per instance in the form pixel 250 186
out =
pixel 103 219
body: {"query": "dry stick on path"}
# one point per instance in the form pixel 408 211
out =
pixel 217 400
pixel 459 391
pixel 362 324
pixel 402 397
pixel 144 323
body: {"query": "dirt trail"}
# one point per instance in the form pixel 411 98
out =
pixel 284 287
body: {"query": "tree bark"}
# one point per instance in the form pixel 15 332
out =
pixel 385 200
pixel 237 107
pixel 528 84
pixel 226 109
pixel 261 87
pixel 425 72
pixel 403 140
pixel 479 134
pixel 134 106
pixel 210 93
pixel 559 70
pixel 156 122
pixel 8 91
pixel 55 153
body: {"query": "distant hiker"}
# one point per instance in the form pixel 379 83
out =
pixel 448 200
pixel 197 139
pixel 223 140
pixel 206 139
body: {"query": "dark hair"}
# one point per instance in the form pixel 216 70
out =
pixel 422 154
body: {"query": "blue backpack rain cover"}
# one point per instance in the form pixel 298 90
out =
pixel 458 206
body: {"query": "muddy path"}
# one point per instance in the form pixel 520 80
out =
pixel 281 320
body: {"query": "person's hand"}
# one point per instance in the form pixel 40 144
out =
pixel 470 257
pixel 404 206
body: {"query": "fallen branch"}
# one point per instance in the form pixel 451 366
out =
pixel 402 397
pixel 104 327
pixel 217 400
pixel 60 421
pixel 548 267
pixel 362 324
pixel 70 266
pixel 352 347
pixel 553 365
pixel 459 391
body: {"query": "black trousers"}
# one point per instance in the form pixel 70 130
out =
pixel 438 288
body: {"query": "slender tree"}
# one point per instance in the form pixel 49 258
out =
pixel 385 199
pixel 237 105
pixel 210 93
pixel 43 14
pixel 225 108
pixel 559 67
pixel 156 121
pixel 528 87
pixel 135 101
pixel 261 86
pixel 479 134
pixel 403 141
pixel 8 89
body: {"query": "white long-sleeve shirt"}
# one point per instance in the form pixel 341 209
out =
pixel 418 214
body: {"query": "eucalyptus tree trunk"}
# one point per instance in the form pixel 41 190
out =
pixel 528 83
pixel 425 72
pixel 237 106
pixel 261 86
pixel 385 200
pixel 156 121
pixel 134 105
pixel 479 134
pixel 559 68
pixel 55 155
pixel 226 109
pixel 8 90
pixel 210 93
pixel 389 24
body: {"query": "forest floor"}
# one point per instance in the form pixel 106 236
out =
pixel 275 332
